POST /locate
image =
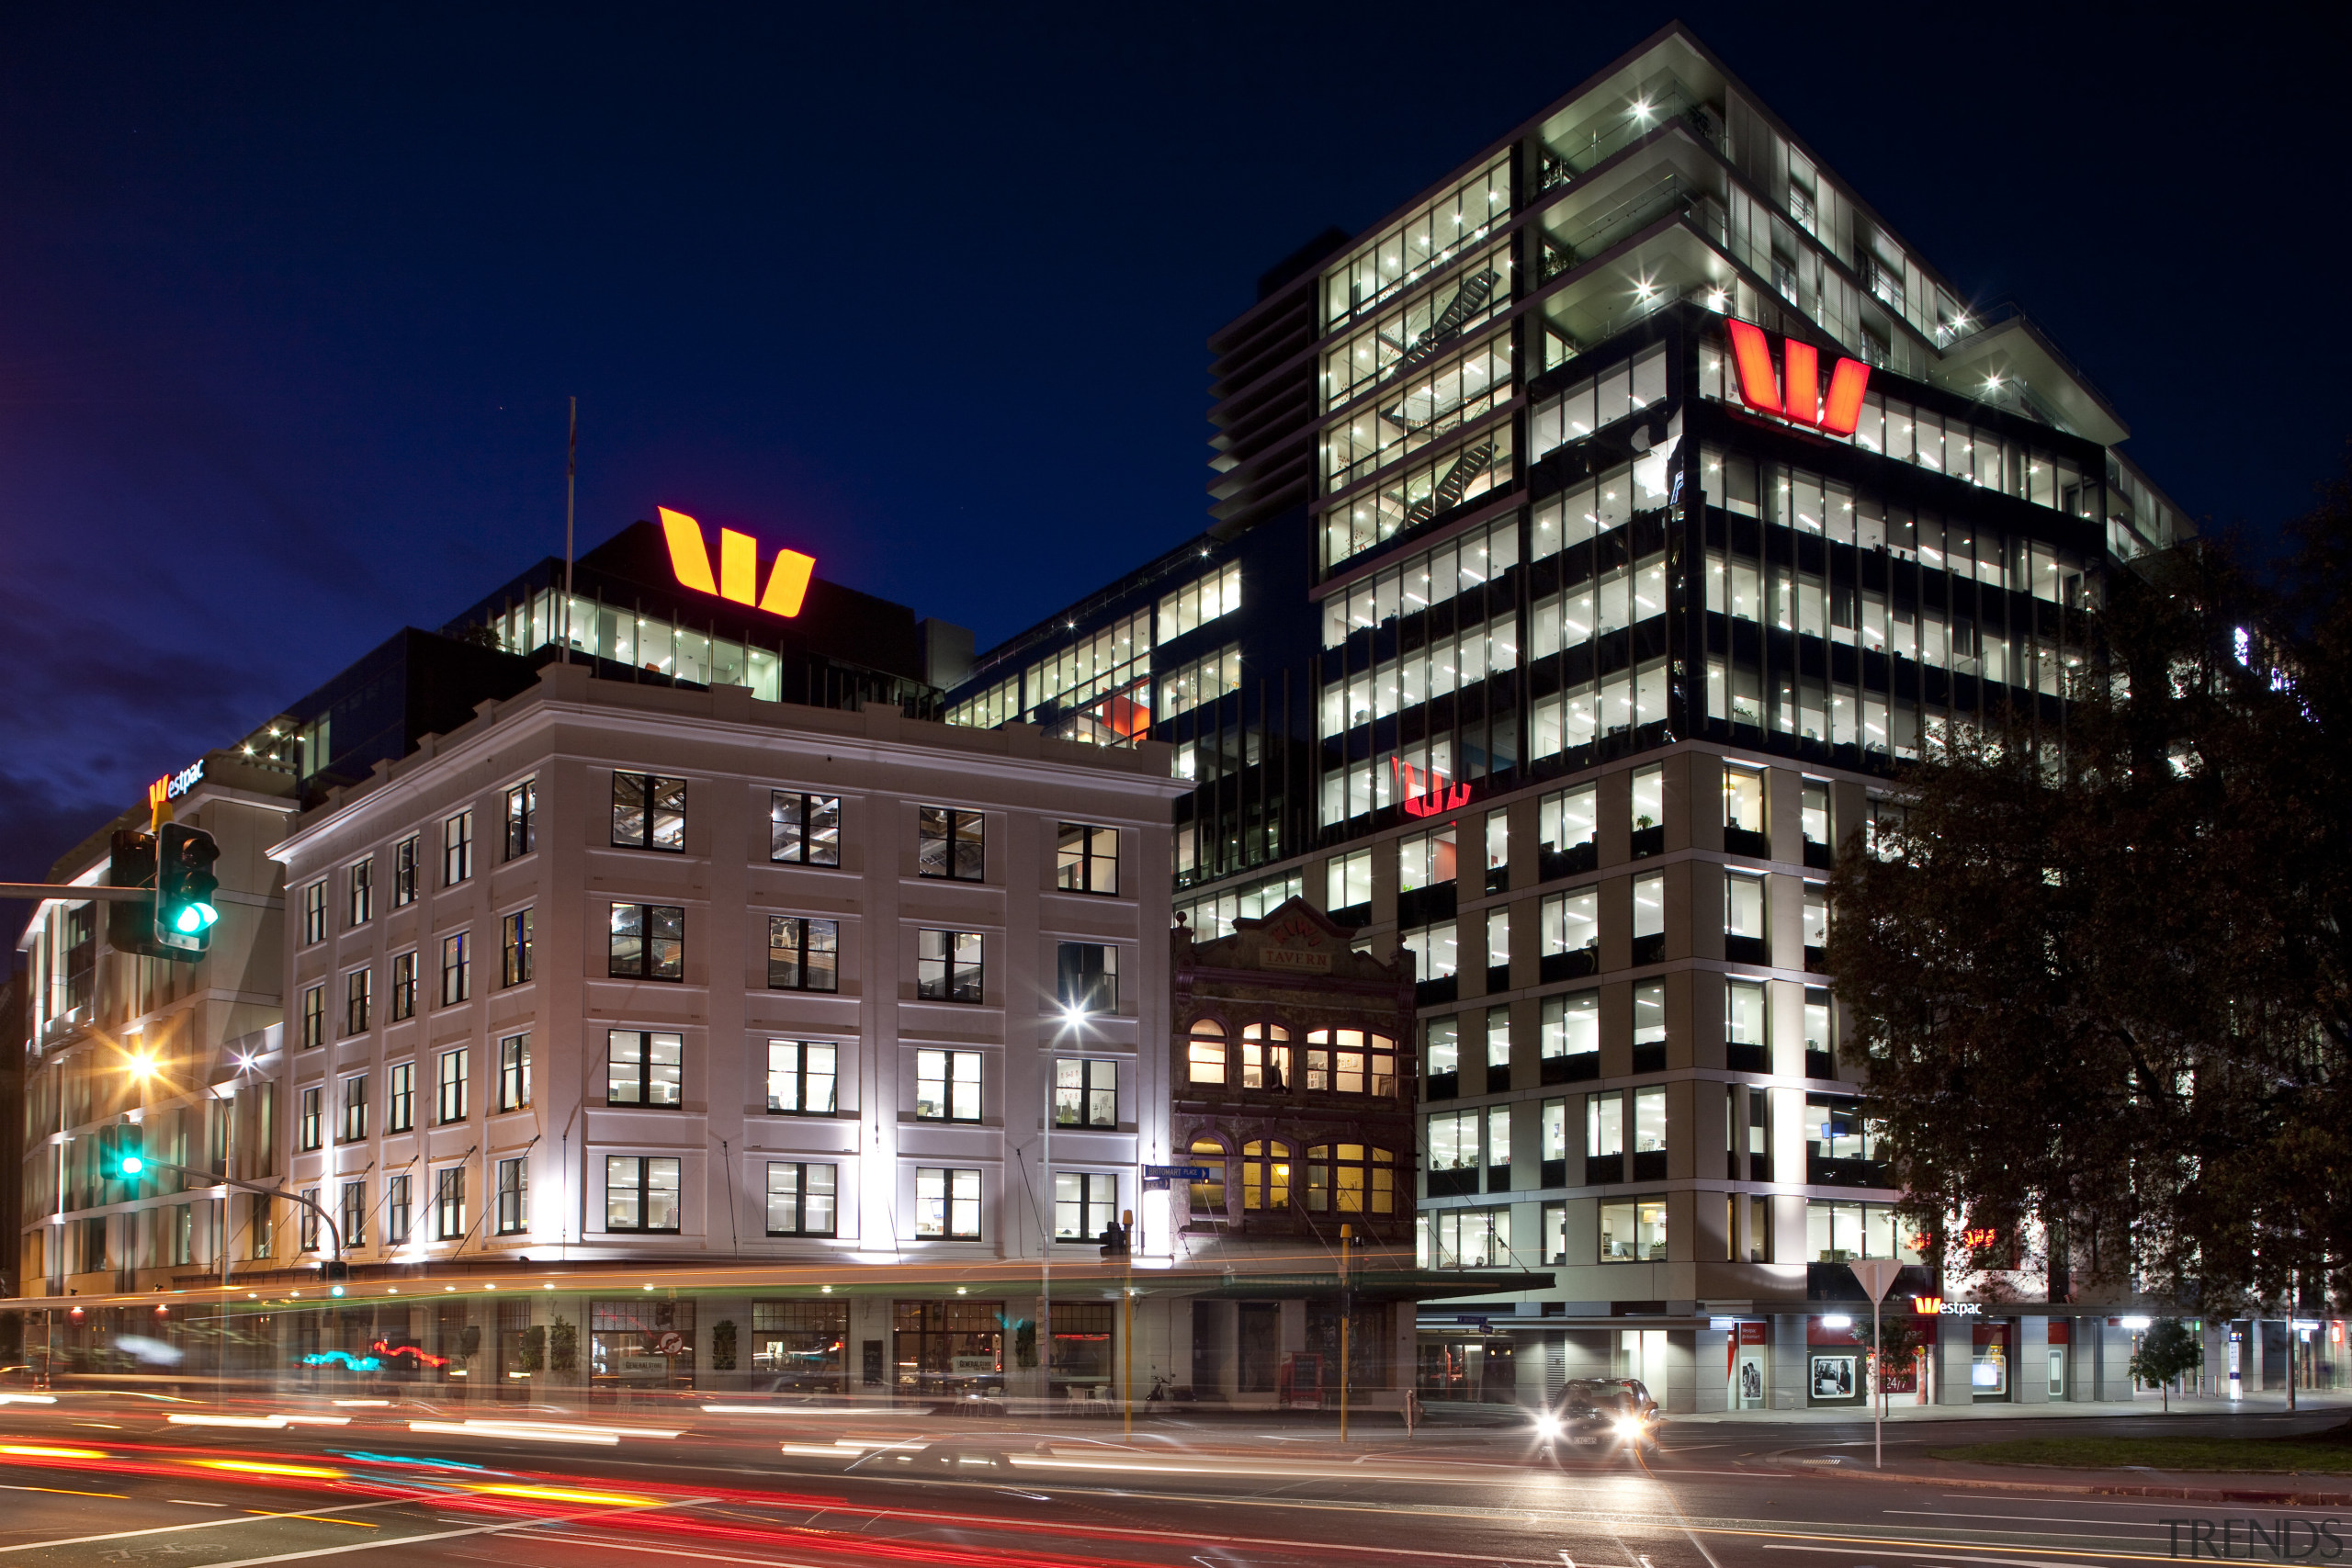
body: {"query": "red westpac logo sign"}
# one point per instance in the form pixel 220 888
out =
pixel 1423 792
pixel 738 577
pixel 1795 393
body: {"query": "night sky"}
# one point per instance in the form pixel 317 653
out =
pixel 290 299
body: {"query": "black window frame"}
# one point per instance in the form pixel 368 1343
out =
pixel 358 1001
pixel 514 1072
pixel 949 985
pixel 644 1189
pixel 794 836
pixel 449 1203
pixel 359 906
pixel 458 848
pixel 944 826
pixel 1086 977
pixel 451 1096
pixel 1078 868
pixel 1089 1184
pixel 514 948
pixel 314 912
pixel 457 977
pixel 648 794
pixel 951 1083
pixel 645 943
pixel 315 1016
pixel 947 1231
pixel 522 818
pixel 400 1204
pixel 403 987
pixel 801 1195
pixel 513 1198
pixel 808 936
pixel 800 1074
pixel 399 1097
pixel 354 1108
pixel 353 1205
pixel 311 1129
pixel 1084 1094
pixel 645 1064
pixel 405 859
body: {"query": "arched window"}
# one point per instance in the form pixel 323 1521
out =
pixel 1350 1061
pixel 1265 1177
pixel 1265 1056
pixel 1348 1178
pixel 1204 1053
pixel 1208 1197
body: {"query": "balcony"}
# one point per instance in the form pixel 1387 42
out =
pixel 1565 251
pixel 1564 157
pixel 1822 1171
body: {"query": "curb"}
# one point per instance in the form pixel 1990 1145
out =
pixel 2186 1494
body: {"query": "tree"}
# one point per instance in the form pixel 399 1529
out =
pixel 2169 1349
pixel 1904 1338
pixel 2099 958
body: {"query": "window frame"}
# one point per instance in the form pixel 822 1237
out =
pixel 315 1017
pixel 354 1108
pixel 1082 991
pixel 458 848
pixel 399 1209
pixel 793 839
pixel 399 1097
pixel 310 1128
pixel 522 818
pixel 951 836
pixel 1076 866
pixel 449 1203
pixel 405 857
pixel 801 974
pixel 801 1195
pixel 801 1076
pixel 514 956
pixel 358 1001
pixel 452 1075
pixel 648 965
pixel 951 1197
pixel 953 1084
pixel 514 1072
pixel 1090 1185
pixel 651 813
pixel 645 1065
pixel 1084 1091
pixel 949 984
pixel 456 968
pixel 644 1190
pixel 403 987
pixel 359 883
pixel 314 912
pixel 513 1198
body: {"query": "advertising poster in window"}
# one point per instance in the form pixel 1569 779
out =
pixel 1833 1378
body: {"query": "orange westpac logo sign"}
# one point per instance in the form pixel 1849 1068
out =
pixel 738 577
pixel 1795 394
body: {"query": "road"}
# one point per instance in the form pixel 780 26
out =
pixel 123 1480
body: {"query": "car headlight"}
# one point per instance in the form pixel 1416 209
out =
pixel 1547 1425
pixel 1629 1425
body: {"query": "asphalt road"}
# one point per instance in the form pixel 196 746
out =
pixel 113 1479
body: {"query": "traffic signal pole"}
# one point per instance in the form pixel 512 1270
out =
pixel 74 894
pixel 207 1179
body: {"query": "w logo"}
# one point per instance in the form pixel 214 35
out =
pixel 1423 792
pixel 738 567
pixel 1796 396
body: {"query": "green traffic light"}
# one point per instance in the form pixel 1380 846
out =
pixel 133 1164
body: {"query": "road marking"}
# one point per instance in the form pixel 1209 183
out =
pixel 1849 1543
pixel 204 1524
pixel 273 1514
pixel 2023 1519
pixel 440 1535
pixel 2020 1561
pixel 194 1504
pixel 67 1492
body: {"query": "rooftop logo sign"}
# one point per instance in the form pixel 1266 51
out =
pixel 1795 394
pixel 738 567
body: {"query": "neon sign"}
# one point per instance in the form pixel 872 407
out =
pixel 1795 394
pixel 173 785
pixel 1936 1306
pixel 386 1348
pixel 1427 800
pixel 738 567
pixel 343 1359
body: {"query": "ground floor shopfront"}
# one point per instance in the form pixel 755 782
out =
pixel 1815 1359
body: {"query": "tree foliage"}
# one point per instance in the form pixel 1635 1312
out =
pixel 2099 964
pixel 2170 1349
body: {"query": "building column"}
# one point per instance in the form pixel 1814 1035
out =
pixel 1955 1346
pixel 1788 1362
pixel 1710 1373
pixel 2029 1378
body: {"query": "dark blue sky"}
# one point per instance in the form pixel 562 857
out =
pixel 290 299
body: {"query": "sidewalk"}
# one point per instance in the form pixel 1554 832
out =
pixel 2306 1403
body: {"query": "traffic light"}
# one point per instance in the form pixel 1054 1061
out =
pixel 130 922
pixel 185 886
pixel 122 1154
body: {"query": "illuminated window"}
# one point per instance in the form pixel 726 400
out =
pixel 947 1205
pixel 803 954
pixel 522 818
pixel 457 969
pixel 802 1075
pixel 648 812
pixel 644 1067
pixel 804 830
pixel 1086 860
pixel 314 912
pixel 513 1196
pixel 1351 1178
pixel 1086 1093
pixel 514 1072
pixel 451 1105
pixel 801 1197
pixel 514 948
pixel 948 967
pixel 1265 1177
pixel 1634 1231
pixel 948 843
pixel 358 1001
pixel 641 1194
pixel 1265 1056
pixel 947 1086
pixel 1205 1055
pixel 648 942
pixel 1351 1061
pixel 362 905
pixel 1085 1204
pixel 457 849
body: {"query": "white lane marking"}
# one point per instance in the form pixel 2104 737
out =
pixel 1849 1551
pixel 507 1528
pixel 2026 1518
pixel 2126 1502
pixel 205 1525
pixel 192 1503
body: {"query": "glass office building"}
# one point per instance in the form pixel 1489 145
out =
pixel 1592 537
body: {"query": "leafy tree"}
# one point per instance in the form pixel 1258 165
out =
pixel 2100 964
pixel 2168 1350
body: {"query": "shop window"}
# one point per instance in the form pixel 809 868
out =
pixel 627 1337
pixel 804 1345
pixel 942 1348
